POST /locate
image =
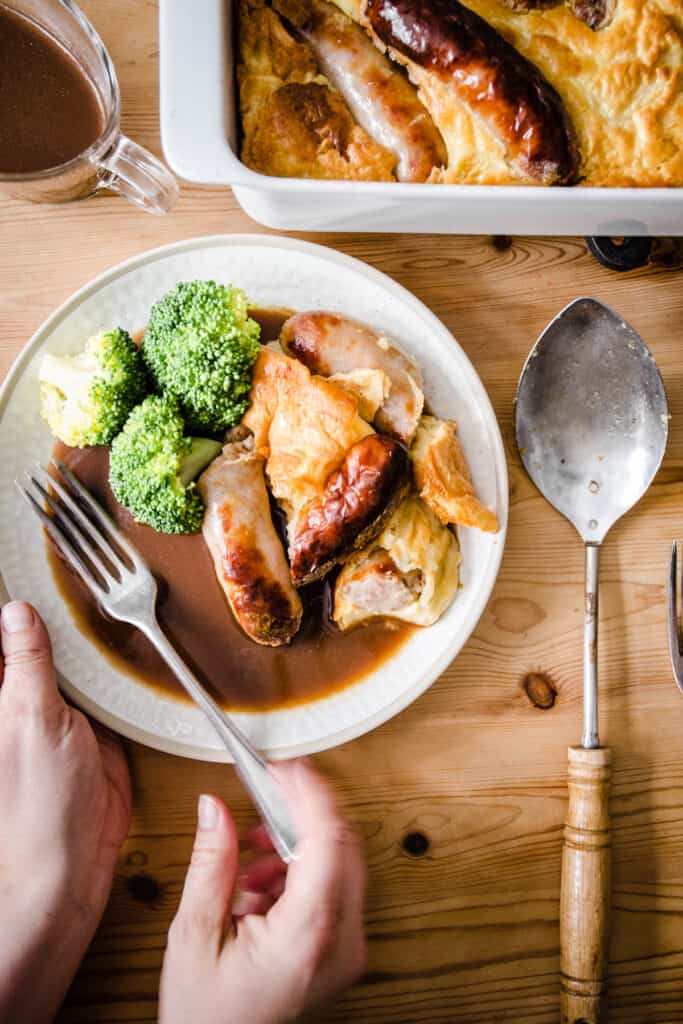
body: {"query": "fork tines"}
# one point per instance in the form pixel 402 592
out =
pixel 674 619
pixel 84 534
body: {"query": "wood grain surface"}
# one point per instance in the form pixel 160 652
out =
pixel 467 931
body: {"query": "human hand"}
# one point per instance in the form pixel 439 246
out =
pixel 65 810
pixel 292 938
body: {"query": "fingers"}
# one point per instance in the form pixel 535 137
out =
pixel 259 838
pixel 310 796
pixel 260 885
pixel 250 903
pixel 29 679
pixel 210 880
pixel 264 875
pixel 327 879
pixel 261 882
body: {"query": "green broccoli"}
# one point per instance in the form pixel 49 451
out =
pixel 153 465
pixel 86 398
pixel 200 345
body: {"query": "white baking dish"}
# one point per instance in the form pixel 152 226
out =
pixel 199 132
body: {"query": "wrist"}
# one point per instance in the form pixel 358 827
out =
pixel 73 893
pixel 44 937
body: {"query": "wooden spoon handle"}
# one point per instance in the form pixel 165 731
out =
pixel 585 894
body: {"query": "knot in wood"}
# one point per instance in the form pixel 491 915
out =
pixel 540 690
pixel 415 844
pixel 143 888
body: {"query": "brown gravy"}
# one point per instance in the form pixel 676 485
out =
pixel 194 613
pixel 49 109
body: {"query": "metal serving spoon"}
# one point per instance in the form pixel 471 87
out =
pixel 592 422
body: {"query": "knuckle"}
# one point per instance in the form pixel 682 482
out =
pixel 34 716
pixel 72 726
pixel 321 931
pixel 205 858
pixel 324 919
pixel 347 961
pixel 343 835
pixel 33 656
pixel 181 931
pixel 190 925
pixel 78 720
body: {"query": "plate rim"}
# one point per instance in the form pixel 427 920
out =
pixel 167 744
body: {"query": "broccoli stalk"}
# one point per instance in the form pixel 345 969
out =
pixel 200 453
pixel 200 345
pixel 86 398
pixel 153 466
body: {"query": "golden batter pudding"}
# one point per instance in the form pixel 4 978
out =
pixel 487 92
pixel 294 125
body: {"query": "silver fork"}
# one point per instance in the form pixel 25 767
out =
pixel 123 586
pixel 674 615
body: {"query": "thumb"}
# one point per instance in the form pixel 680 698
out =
pixel 29 678
pixel 211 876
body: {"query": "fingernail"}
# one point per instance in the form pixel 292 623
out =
pixel 17 616
pixel 207 812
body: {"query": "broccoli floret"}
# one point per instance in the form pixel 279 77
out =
pixel 200 345
pixel 153 465
pixel 86 398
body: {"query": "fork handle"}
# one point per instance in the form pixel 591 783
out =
pixel 264 790
pixel 585 893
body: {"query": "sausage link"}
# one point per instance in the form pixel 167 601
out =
pixel 357 500
pixel 379 96
pixel 247 553
pixel 328 343
pixel 597 14
pixel 486 73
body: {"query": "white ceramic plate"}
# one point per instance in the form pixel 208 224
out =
pixel 274 272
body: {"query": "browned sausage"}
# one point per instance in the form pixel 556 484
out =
pixel 357 500
pixel 328 343
pixel 247 553
pixel 378 94
pixel 486 73
pixel 530 5
pixel 596 13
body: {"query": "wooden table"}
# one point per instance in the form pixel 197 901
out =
pixel 467 931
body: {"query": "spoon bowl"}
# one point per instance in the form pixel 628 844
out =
pixel 592 419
